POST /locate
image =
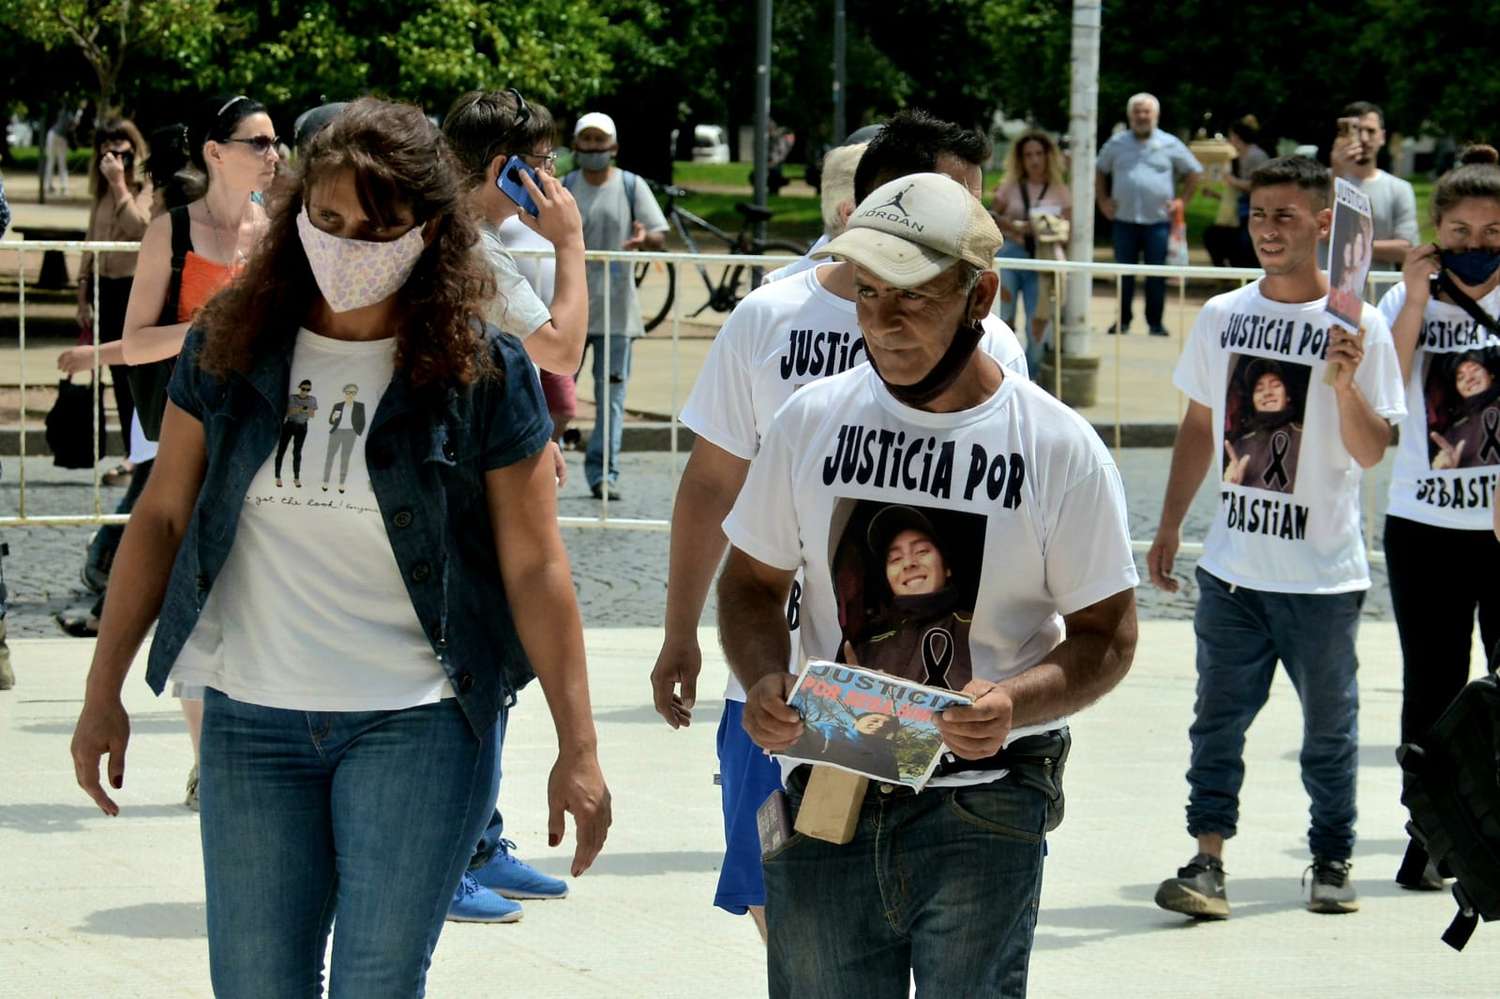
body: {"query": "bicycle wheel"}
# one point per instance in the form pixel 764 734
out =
pixel 743 278
pixel 649 321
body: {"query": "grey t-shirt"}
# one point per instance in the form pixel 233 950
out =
pixel 607 220
pixel 1393 210
pixel 515 309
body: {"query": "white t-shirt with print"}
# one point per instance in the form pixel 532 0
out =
pixel 516 309
pixel 1024 497
pixel 802 263
pixel 310 611
pixel 1292 523
pixel 779 338
pixel 1427 484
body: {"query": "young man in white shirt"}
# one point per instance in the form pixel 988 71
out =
pixel 1283 572
pixel 1028 507
pixel 779 338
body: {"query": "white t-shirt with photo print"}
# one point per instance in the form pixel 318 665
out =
pixel 1444 473
pixel 310 611
pixel 1050 535
pixel 781 337
pixel 1291 524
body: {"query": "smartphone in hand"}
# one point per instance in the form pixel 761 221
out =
pixel 509 182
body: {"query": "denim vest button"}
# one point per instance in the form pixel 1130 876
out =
pixel 402 518
pixel 449 454
pixel 421 572
pixel 465 682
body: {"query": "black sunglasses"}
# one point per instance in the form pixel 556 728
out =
pixel 262 143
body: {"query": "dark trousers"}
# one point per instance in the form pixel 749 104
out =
pixel 1132 240
pixel 107 540
pixel 1439 578
pixel 293 433
pixel 1229 246
pixel 1242 633
pixel 109 322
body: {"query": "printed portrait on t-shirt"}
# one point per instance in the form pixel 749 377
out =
pixel 906 579
pixel 1462 393
pixel 1264 404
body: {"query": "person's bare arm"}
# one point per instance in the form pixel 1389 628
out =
pixel 1365 433
pixel 710 483
pixel 1192 454
pixel 557 345
pixel 1088 664
pixel 1417 272
pixel 1190 186
pixel 1391 251
pixel 539 588
pixel 144 340
pixel 1102 195
pixel 147 551
pixel 757 644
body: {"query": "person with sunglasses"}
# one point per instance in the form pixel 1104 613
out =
pixel 120 213
pixel 231 142
pixel 360 654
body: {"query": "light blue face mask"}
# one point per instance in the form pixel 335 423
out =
pixel 593 160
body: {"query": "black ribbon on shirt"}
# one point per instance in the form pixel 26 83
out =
pixel 1489 449
pixel 1276 476
pixel 937 656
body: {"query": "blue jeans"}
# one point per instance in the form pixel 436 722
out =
pixel 1014 283
pixel 942 885
pixel 1241 635
pixel 1131 241
pixel 367 816
pixel 619 374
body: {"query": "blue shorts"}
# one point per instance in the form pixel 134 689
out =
pixel 748 776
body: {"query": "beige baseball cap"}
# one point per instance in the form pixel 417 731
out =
pixel 910 230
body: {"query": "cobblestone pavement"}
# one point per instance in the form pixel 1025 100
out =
pixel 621 574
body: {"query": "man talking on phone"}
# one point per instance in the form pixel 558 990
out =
pixel 1393 203
pixel 619 212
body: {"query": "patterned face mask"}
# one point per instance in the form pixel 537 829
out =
pixel 354 273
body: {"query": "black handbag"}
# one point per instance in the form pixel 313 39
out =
pixel 148 382
pixel 70 426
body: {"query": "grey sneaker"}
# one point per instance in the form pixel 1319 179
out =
pixel 1332 891
pixel 1197 890
pixel 191 801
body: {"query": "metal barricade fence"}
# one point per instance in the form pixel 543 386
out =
pixel 1058 270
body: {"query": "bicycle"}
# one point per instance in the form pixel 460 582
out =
pixel 734 282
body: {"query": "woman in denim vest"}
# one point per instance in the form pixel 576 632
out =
pixel 360 649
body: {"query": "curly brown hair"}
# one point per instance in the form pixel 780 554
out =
pixel 398 158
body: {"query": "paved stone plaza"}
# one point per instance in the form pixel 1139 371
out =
pixel 96 907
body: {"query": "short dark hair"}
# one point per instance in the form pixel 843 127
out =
pixel 911 142
pixel 1307 174
pixel 1358 109
pixel 484 124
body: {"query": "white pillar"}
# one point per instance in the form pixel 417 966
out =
pixel 1083 127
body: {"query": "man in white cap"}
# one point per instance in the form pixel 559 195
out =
pixel 941 885
pixel 619 212
pixel 779 338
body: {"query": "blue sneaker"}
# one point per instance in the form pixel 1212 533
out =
pixel 473 903
pixel 514 878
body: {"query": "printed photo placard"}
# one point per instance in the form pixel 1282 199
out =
pixel 869 723
pixel 1351 243
pixel 1462 395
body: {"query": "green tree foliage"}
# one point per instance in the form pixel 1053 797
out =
pixel 109 32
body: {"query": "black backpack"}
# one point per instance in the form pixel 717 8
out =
pixel 1451 786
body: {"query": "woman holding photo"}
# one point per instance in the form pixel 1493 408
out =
pixel 1437 526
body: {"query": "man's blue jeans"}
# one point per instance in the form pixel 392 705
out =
pixel 1241 635
pixel 364 816
pixel 1131 241
pixel 941 885
pixel 619 375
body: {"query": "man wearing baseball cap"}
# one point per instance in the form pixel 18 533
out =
pixel 619 212
pixel 942 884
